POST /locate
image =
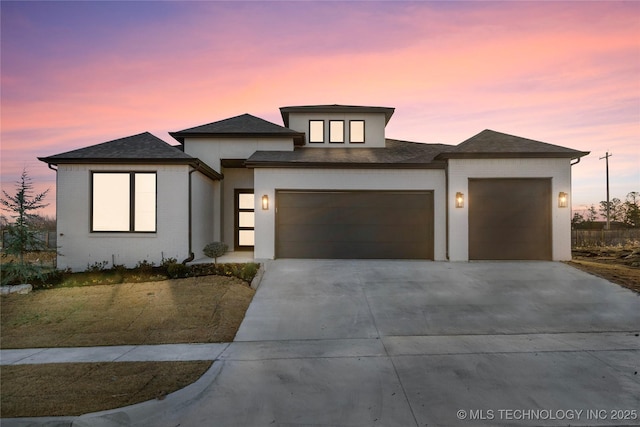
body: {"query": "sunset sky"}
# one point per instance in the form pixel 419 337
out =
pixel 79 73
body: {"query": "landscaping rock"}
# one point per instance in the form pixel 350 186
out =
pixel 16 289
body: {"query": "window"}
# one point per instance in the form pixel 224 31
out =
pixel 336 131
pixel 356 131
pixel 245 219
pixel 316 130
pixel 123 201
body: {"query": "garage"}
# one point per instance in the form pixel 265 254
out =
pixel 510 219
pixel 354 224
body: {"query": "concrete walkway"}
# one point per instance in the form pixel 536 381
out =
pixel 394 343
pixel 123 353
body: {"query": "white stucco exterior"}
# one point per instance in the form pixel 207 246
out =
pixel 460 170
pixel 268 180
pixel 79 247
pixel 213 150
pixel 203 215
pixel 196 205
pixel 374 124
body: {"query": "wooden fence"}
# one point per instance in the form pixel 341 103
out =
pixel 49 238
pixel 580 238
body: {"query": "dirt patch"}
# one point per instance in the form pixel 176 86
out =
pixel 75 389
pixel 617 264
pixel 195 310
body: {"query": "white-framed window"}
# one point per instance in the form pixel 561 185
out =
pixel 316 131
pixel 123 202
pixel 356 131
pixel 336 131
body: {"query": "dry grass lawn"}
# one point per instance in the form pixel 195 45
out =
pixel 195 310
pixel 200 310
pixel 628 277
pixel 61 389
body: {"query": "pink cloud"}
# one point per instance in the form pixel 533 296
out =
pixel 564 73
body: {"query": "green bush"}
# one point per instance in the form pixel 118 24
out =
pixel 215 249
pixel 176 270
pixel 144 267
pixel 97 267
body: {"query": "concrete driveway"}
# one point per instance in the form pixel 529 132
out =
pixel 395 343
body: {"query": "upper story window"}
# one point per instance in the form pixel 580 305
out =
pixel 356 131
pixel 336 131
pixel 316 130
pixel 123 201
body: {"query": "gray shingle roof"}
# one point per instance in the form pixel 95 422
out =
pixel 492 144
pixel 238 126
pixel 334 108
pixel 140 148
pixel 402 154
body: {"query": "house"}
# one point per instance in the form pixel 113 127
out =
pixel 327 184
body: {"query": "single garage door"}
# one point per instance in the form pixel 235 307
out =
pixel 354 224
pixel 510 219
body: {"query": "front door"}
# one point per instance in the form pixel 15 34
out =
pixel 244 220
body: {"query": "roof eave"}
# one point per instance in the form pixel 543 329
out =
pixel 298 137
pixel 285 111
pixel 344 165
pixel 208 171
pixel 511 155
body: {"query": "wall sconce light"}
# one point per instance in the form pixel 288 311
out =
pixel 265 202
pixel 459 200
pixel 562 200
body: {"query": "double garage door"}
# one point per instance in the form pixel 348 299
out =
pixel 354 224
pixel 510 219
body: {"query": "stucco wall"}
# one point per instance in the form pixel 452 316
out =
pixel 79 247
pixel 233 178
pixel 374 124
pixel 211 150
pixel 460 170
pixel 202 213
pixel 267 181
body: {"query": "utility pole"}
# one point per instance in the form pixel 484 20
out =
pixel 606 157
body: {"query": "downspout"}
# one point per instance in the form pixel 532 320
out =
pixel 578 161
pixel 446 208
pixel 191 254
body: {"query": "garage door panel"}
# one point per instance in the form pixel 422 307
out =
pixel 510 219
pixel 354 225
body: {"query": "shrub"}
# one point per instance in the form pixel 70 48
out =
pixel 97 267
pixel 144 266
pixel 176 270
pixel 215 249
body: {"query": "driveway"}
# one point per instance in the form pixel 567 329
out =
pixel 411 343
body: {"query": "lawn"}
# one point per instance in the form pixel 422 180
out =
pixel 202 309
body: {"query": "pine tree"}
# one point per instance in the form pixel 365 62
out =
pixel 22 236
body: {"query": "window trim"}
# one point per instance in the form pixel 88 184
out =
pixel 331 141
pixel 364 135
pixel 323 131
pixel 236 221
pixel 132 204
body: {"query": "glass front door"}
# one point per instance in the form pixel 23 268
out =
pixel 245 220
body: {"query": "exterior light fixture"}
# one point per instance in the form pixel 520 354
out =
pixel 459 200
pixel 562 200
pixel 265 202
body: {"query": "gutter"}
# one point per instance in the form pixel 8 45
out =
pixel 191 254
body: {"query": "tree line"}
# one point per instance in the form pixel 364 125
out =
pixel 625 212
